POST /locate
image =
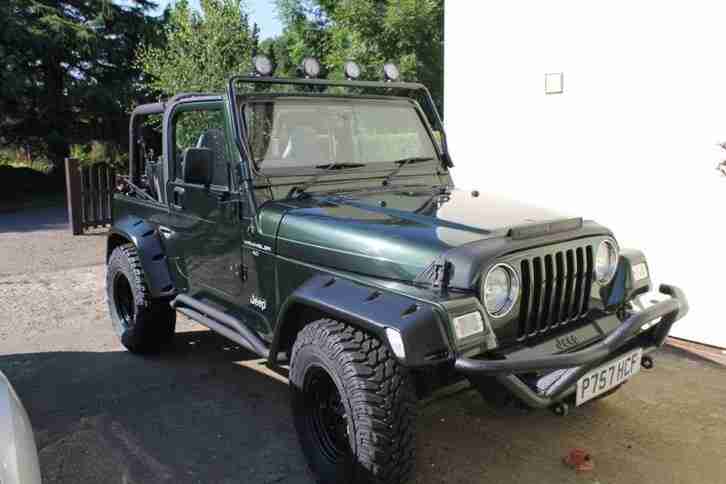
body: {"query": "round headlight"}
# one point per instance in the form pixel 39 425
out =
pixel 606 261
pixel 500 290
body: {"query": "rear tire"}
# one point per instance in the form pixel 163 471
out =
pixel 354 406
pixel 142 324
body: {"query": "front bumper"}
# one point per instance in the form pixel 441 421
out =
pixel 569 367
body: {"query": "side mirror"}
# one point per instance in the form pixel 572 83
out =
pixel 198 166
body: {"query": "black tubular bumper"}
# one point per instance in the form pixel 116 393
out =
pixel 577 363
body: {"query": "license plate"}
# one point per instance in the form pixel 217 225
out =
pixel 608 376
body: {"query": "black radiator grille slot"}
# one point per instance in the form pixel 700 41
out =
pixel 555 289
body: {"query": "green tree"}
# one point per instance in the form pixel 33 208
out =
pixel 371 32
pixel 65 70
pixel 278 51
pixel 308 32
pixel 202 49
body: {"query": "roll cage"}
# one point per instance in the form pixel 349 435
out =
pixel 298 87
pixel 319 86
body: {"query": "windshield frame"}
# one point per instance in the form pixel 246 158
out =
pixel 248 174
pixel 244 101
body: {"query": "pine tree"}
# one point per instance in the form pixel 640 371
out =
pixel 67 72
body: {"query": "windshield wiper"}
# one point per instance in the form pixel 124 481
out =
pixel 338 166
pixel 402 163
pixel 298 191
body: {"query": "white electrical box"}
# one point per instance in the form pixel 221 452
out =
pixel 554 83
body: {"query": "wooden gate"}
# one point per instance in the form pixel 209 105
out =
pixel 89 190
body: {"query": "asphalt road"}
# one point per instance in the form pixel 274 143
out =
pixel 207 412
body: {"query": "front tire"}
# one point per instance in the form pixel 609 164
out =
pixel 353 406
pixel 142 324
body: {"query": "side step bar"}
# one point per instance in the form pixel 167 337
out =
pixel 222 323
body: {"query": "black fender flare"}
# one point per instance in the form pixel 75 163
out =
pixel 371 309
pixel 150 248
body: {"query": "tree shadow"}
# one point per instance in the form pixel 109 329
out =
pixel 197 413
pixel 208 411
pixel 34 219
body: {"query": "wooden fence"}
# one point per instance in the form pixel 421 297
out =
pixel 89 190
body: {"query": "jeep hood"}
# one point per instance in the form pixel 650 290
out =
pixel 394 234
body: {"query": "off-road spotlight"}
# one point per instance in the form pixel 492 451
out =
pixel 310 67
pixel 391 72
pixel 352 70
pixel 263 65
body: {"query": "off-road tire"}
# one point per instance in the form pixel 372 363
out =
pixel 377 397
pixel 142 324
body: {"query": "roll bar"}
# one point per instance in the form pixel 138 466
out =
pixel 324 83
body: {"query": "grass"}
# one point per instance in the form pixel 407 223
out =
pixel 42 166
pixel 18 158
pixel 28 183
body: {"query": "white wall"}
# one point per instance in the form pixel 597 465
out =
pixel 630 143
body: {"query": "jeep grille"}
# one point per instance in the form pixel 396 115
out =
pixel 555 289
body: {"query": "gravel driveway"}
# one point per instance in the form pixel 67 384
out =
pixel 207 412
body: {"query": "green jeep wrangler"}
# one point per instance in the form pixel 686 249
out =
pixel 315 223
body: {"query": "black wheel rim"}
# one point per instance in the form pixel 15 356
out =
pixel 123 299
pixel 326 418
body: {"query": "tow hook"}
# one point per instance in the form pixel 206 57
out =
pixel 647 362
pixel 560 409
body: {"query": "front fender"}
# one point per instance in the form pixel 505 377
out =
pixel 150 249
pixel 18 453
pixel 372 310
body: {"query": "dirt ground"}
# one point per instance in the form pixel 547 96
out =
pixel 207 412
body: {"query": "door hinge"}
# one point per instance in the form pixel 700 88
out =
pixel 239 270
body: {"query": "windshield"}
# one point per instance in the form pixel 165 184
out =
pixel 287 133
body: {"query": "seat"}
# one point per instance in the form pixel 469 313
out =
pixel 153 177
pixel 302 145
pixel 214 139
